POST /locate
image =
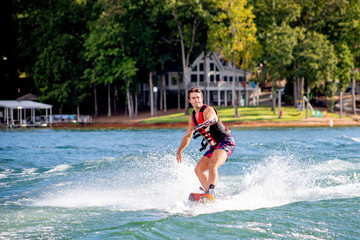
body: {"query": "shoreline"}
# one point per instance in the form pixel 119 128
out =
pixel 134 124
pixel 122 121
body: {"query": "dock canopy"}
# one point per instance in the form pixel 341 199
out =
pixel 19 119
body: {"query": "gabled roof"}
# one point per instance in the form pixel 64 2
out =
pixel 23 104
pixel 29 96
pixel 218 62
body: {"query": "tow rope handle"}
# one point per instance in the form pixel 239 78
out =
pixel 202 126
pixel 205 124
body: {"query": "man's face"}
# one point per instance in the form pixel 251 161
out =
pixel 196 100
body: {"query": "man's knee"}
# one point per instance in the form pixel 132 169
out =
pixel 213 166
pixel 197 170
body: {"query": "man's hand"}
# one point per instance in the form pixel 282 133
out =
pixel 179 157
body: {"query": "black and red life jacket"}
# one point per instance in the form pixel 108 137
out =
pixel 212 134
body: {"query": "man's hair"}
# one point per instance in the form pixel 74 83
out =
pixel 194 90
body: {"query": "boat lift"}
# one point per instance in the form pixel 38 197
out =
pixel 19 119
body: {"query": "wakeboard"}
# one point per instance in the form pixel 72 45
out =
pixel 201 197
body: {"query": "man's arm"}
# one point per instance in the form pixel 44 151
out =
pixel 210 114
pixel 185 141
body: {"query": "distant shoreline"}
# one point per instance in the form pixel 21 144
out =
pixel 311 122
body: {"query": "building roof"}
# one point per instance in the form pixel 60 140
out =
pixel 29 96
pixel 220 63
pixel 23 104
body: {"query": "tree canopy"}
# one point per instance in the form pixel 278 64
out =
pixel 68 46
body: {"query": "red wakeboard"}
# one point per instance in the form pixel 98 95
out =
pixel 201 197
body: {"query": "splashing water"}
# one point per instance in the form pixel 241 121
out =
pixel 157 181
pixel 285 184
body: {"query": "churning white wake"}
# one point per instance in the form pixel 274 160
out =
pixel 281 180
pixel 157 181
pixel 135 183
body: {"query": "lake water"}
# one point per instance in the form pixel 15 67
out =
pixel 290 183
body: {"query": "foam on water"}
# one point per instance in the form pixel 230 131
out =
pixel 153 182
pixel 136 183
pixel 59 168
pixel 280 180
pixel 353 139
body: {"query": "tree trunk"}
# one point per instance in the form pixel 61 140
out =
pixel 206 100
pixel 185 70
pixel 128 100
pixel 132 104
pixel 279 103
pixel 245 79
pixel 95 101
pixel 109 100
pixel 341 103
pixel 78 111
pixel 178 93
pixel 161 93
pixel 115 98
pixel 136 105
pixel 164 92
pixel 155 103
pixel 126 105
pixel 186 56
pixel 273 96
pixel 295 92
pixel 301 89
pixel 353 96
pixel 234 98
pixel 246 92
pixel 151 95
pixel 186 86
pixel 326 93
pixel 308 100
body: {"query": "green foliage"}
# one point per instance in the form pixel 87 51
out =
pixel 317 61
pixel 65 45
pixel 279 46
pixel 51 40
pixel 344 66
pixel 105 52
pixel 270 13
pixel 233 30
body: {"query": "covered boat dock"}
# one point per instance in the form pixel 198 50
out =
pixel 15 113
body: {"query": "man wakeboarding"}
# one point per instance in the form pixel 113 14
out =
pixel 205 122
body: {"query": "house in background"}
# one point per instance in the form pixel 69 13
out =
pixel 218 83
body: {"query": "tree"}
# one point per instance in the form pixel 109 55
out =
pixel 51 45
pixel 232 34
pixel 105 50
pixel 275 12
pixel 355 76
pixel 278 54
pixel 350 34
pixel 344 66
pixel 317 62
pixel 187 16
pixel 145 26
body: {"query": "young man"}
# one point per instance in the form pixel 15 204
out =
pixel 205 121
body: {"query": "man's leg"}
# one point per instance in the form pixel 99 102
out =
pixel 200 169
pixel 218 158
pixel 212 164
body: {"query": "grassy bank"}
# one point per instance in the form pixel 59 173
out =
pixel 257 113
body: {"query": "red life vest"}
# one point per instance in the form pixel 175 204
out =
pixel 212 134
